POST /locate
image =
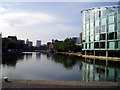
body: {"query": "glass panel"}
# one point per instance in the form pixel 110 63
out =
pixel 118 17
pixel 91 31
pixel 91 16
pixel 96 30
pixel 96 23
pixel 111 19
pixel 102 36
pixel 91 24
pixel 97 37
pixel 87 26
pixel 91 38
pixel 103 28
pixel 116 44
pixel 87 39
pixel 111 28
pixel 118 36
pixel 103 13
pixel 92 46
pixel 102 44
pixel 103 21
pixel 119 45
pixel 96 14
pixel 87 33
pixel 111 36
pixel 118 26
pixel 84 27
pixel 87 45
pixel 111 45
pixel 96 45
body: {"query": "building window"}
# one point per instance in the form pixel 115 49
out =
pixel 111 36
pixel 118 36
pixel 91 38
pixel 103 13
pixel 97 37
pixel 91 16
pixel 87 26
pixel 91 31
pixel 103 21
pixel 111 45
pixel 96 45
pixel 102 36
pixel 103 28
pixel 87 45
pixel 118 26
pixel 102 44
pixel 111 19
pixel 92 46
pixel 96 30
pixel 118 17
pixel 91 24
pixel 96 23
pixel 116 44
pixel 111 28
pixel 96 14
pixel 87 32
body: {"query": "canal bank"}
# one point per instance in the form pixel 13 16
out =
pixel 68 53
pixel 19 83
pixel 90 56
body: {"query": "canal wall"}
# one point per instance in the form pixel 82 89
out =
pixel 90 56
pixel 76 54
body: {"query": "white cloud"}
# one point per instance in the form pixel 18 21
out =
pixel 21 19
pixel 2 9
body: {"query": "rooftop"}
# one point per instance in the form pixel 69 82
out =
pixel 105 7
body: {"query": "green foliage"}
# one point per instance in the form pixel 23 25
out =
pixel 9 44
pixel 68 45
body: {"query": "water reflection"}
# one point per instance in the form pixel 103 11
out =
pixel 28 55
pixel 35 65
pixel 11 60
pixel 38 55
pixel 67 61
pixel 100 70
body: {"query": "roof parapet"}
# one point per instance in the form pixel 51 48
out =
pixel 106 7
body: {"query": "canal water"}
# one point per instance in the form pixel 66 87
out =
pixel 39 66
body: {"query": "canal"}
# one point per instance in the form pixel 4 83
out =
pixel 39 66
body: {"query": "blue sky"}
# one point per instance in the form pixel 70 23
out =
pixel 44 20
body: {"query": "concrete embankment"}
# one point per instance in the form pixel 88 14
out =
pixel 19 83
pixel 93 57
pixel 76 54
pixel 102 58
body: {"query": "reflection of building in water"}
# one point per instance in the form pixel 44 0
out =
pixel 28 55
pixel 95 72
pixel 38 55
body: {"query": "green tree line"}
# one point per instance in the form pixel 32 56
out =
pixel 68 45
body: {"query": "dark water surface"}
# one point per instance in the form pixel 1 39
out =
pixel 38 66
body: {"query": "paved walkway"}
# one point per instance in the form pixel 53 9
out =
pixel 17 83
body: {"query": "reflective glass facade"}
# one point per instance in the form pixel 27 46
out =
pixel 101 29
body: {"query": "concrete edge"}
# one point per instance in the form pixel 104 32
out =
pixel 102 58
pixel 66 83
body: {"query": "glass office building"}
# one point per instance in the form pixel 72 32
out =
pixel 101 31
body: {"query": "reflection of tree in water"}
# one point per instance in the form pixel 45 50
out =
pixel 67 61
pixel 11 60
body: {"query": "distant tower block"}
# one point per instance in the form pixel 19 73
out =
pixel 38 43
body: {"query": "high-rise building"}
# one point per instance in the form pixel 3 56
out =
pixel 81 38
pixel 101 31
pixel 38 43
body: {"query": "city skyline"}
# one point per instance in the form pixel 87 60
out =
pixel 44 21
